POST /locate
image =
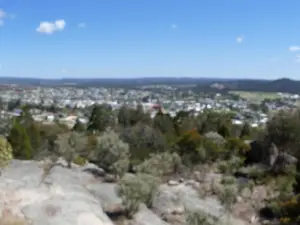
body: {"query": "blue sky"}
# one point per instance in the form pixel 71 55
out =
pixel 142 38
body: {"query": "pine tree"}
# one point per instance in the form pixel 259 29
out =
pixel 79 126
pixel 20 142
pixel 100 119
pixel 246 130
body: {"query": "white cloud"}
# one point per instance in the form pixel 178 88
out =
pixel 81 25
pixel 51 27
pixel 2 14
pixel 294 48
pixel 240 39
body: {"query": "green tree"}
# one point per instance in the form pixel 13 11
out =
pixel 131 116
pixel 69 146
pixel 20 142
pixel 164 123
pixel 160 164
pixel 125 116
pixel 79 126
pixel 224 130
pixel 137 189
pixel 111 153
pixel 143 140
pixel 101 118
pixel 33 131
pixel 246 130
pixel 183 122
pixel 283 130
pixel 6 152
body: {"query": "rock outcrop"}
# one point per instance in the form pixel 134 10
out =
pixel 59 196
pixel 36 194
pixel 174 201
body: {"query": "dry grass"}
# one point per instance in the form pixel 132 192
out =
pixel 8 218
pixel 256 96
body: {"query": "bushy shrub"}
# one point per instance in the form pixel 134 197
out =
pixel 287 211
pixel 137 189
pixel 160 164
pixel 6 152
pixel 112 153
pixel 120 167
pixel 228 180
pixel 227 195
pixel 80 161
pixel 290 210
pixel 256 173
pixel 285 186
pixel 69 145
pixel 143 140
pixel 213 149
pixel 231 166
pixel 199 218
pixel 215 138
pixel 236 146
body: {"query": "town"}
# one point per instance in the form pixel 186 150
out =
pixel 69 104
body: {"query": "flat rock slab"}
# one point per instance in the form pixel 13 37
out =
pixel 60 198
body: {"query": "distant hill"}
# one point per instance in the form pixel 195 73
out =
pixel 280 85
pixel 202 84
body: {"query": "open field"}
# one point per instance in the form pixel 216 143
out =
pixel 256 96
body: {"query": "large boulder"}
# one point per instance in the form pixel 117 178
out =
pixel 267 153
pixel 261 152
pixel 49 197
pixel 108 197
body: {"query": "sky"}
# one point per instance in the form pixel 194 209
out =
pixel 150 38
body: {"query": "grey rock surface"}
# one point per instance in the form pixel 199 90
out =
pixel 146 217
pixel 59 198
pixel 176 200
pixel 107 195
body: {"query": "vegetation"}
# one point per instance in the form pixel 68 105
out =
pixel 111 153
pixel 130 141
pixel 6 152
pixel 196 218
pixel 160 164
pixel 256 96
pixel 137 189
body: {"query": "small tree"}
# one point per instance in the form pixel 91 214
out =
pixel 227 196
pixel 79 126
pixel 112 153
pixel 100 119
pixel 160 164
pixel 6 152
pixel 137 189
pixel 69 145
pixel 198 218
pixel 246 131
pixel 20 142
pixel 143 140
